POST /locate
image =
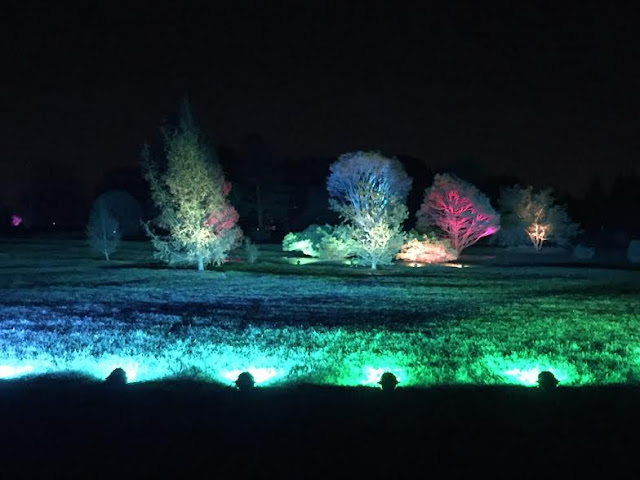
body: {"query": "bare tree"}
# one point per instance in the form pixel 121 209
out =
pixel 534 215
pixel 103 232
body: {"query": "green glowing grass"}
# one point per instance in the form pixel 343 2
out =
pixel 319 324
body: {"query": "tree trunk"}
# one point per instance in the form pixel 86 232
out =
pixel 200 264
pixel 259 207
pixel 374 265
pixel 106 255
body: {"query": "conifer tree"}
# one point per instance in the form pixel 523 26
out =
pixel 196 224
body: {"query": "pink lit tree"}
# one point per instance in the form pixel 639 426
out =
pixel 459 209
pixel 191 196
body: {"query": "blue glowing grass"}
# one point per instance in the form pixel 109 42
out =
pixel 15 371
pixel 436 326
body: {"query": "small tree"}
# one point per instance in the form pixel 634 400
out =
pixel 124 209
pixel 459 209
pixel 534 215
pixel 191 194
pixel 426 249
pixel 331 243
pixel 369 192
pixel 103 232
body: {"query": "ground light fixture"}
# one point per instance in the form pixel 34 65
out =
pixel 117 378
pixel 388 382
pixel 547 381
pixel 245 381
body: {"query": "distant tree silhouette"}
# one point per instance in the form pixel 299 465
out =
pixel 103 230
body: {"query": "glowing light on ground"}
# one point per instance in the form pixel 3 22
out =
pixel 524 371
pixel 301 260
pixel 130 367
pixel 526 377
pixel 260 375
pixel 372 375
pixel 10 371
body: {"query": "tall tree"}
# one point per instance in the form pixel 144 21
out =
pixel 459 209
pixel 191 195
pixel 263 196
pixel 369 192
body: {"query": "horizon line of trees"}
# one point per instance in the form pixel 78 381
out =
pixel 275 195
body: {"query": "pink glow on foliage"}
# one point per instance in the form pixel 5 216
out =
pixel 226 219
pixel 16 220
pixel 459 216
pixel 226 188
pixel 426 251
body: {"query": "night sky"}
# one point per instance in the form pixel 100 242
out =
pixel 550 95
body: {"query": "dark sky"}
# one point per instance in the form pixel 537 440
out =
pixel 550 94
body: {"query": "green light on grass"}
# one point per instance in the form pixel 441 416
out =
pixel 526 377
pixel 529 377
pixel 372 375
pixel 260 375
pixel 525 371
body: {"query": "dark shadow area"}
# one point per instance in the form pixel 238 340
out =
pixel 74 428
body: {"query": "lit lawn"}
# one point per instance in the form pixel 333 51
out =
pixel 63 309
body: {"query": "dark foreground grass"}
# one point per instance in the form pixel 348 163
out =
pixel 70 428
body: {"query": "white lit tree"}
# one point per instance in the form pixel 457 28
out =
pixel 103 230
pixel 369 192
pixel 196 221
pixel 534 216
pixel 459 209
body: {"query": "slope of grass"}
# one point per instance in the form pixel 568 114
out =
pixel 63 309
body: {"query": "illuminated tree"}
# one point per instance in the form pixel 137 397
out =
pixel 103 230
pixel 459 209
pixel 369 191
pixel 534 216
pixel 191 194
pixel 427 249
pixel 331 243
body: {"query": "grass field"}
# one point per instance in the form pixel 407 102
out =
pixel 487 322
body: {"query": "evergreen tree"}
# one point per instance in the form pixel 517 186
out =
pixel 191 196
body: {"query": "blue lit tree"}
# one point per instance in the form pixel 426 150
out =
pixel 369 191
